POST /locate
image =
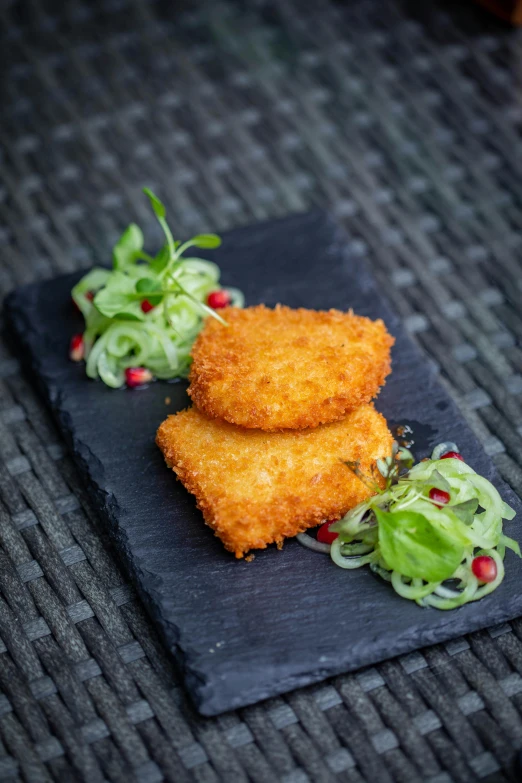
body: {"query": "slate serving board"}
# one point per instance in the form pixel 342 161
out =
pixel 245 631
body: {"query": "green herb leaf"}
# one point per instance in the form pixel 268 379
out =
pixel 157 205
pixel 206 240
pixel 435 480
pixel 161 259
pixel 438 481
pixel 411 545
pixel 118 293
pixel 465 511
pixel 149 286
pixel 146 285
pixel 127 247
pixel 127 317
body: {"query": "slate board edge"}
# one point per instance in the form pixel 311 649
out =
pixel 208 703
pixel 208 699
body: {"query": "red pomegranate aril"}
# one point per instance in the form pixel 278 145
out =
pixel 137 376
pixel 218 299
pixel 439 497
pixel 146 306
pixel 325 535
pixel 484 568
pixel 76 348
pixel 452 455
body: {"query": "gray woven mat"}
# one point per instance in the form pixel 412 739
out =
pixel 405 119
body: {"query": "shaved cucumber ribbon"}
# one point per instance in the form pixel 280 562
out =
pixel 313 543
pixel 350 562
pixel 161 339
pixel 358 542
pixel 90 283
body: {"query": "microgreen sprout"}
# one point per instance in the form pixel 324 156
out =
pixel 148 309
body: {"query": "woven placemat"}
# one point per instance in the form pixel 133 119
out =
pixel 404 118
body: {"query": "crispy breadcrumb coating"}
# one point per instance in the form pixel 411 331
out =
pixel 255 488
pixel 287 369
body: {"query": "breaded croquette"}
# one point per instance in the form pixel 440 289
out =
pixel 256 488
pixel 287 369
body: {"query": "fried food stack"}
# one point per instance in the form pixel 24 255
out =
pixel 282 399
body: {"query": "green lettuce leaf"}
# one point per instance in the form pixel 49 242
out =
pixel 117 295
pixel 127 248
pixel 206 240
pixel 411 545
pixel 153 289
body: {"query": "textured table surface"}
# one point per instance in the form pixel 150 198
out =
pixel 406 123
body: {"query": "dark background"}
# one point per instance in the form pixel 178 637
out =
pixel 404 119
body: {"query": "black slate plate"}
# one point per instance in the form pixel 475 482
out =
pixel 245 631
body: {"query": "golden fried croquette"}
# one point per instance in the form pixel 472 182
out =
pixel 287 369
pixel 256 488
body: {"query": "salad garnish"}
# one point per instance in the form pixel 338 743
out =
pixel 435 531
pixel 142 316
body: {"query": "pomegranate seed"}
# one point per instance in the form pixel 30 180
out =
pixel 218 299
pixel 439 497
pixel 325 535
pixel 146 306
pixel 484 568
pixel 76 348
pixel 452 455
pixel 137 376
